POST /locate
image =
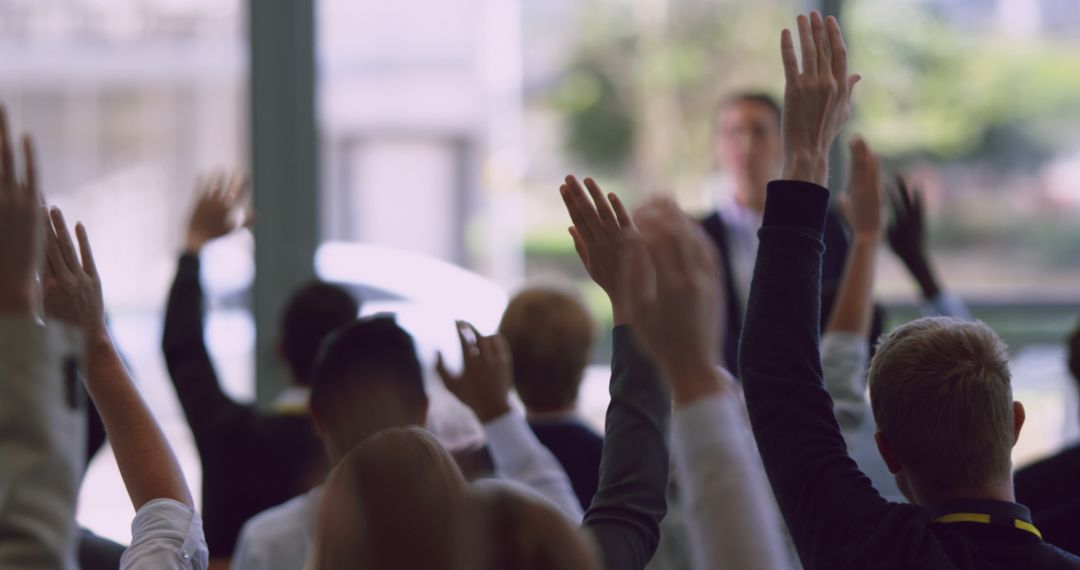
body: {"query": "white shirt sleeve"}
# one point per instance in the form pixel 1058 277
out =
pixel 844 356
pixel 519 456
pixel 731 517
pixel 166 535
pixel 41 449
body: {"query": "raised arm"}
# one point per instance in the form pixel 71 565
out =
pixel 677 311
pixel 907 239
pixel 192 372
pixel 845 345
pixel 40 423
pixel 72 289
pixel 826 501
pixel 631 498
pixel 484 386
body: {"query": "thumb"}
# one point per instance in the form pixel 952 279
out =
pixel 440 368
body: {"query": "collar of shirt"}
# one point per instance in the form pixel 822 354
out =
pixel 985 511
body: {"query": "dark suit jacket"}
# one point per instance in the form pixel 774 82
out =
pixel 832 270
pixel 578 448
pixel 251 460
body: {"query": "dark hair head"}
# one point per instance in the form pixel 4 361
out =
pixel 367 378
pixel 313 312
pixel 759 97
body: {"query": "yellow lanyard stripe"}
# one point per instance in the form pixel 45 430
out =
pixel 985 519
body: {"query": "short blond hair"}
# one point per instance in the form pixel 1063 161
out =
pixel 941 393
pixel 550 336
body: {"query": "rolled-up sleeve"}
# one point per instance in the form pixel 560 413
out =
pixel 166 534
pixel 844 356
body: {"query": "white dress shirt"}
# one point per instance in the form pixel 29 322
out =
pixel 283 538
pixel 731 516
pixel 166 535
pixel 41 447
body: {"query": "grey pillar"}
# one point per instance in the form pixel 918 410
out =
pixel 838 175
pixel 284 167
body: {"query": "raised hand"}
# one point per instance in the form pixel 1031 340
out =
pixel 71 287
pixel 216 212
pixel 20 227
pixel 862 206
pixel 672 283
pixel 602 231
pixel 817 98
pixel 907 236
pixel 484 382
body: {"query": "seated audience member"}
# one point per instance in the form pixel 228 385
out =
pixel 1048 486
pixel 367 379
pixel 746 145
pixel 251 459
pixel 551 335
pixel 939 387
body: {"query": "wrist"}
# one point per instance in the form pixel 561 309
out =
pixel 806 164
pixel 194 242
pixel 492 412
pixel 690 388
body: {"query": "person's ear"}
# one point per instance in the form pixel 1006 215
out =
pixel 887 453
pixel 1019 415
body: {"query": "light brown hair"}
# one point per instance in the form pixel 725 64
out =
pixel 941 393
pixel 550 336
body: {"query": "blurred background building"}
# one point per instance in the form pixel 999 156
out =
pixel 444 128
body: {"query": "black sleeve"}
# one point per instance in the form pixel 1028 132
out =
pixel 631 501
pixel 828 504
pixel 205 405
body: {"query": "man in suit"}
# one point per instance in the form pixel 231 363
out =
pixel 747 148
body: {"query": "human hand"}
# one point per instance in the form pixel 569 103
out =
pixel 602 231
pixel 862 205
pixel 72 288
pixel 486 375
pixel 907 236
pixel 20 227
pixel 817 100
pixel 671 278
pixel 216 210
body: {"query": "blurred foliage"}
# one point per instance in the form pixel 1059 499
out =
pixel 647 76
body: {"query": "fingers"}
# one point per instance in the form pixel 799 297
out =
pixel 821 44
pixel 838 48
pixel 7 155
pixel 623 217
pixel 63 240
pixel 603 208
pixel 30 181
pixel 579 246
pixel 237 189
pixel 580 214
pixel 440 368
pixel 787 53
pixel 54 260
pixel 806 43
pixel 88 264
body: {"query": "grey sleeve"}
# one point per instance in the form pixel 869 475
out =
pixel 631 500
pixel 41 451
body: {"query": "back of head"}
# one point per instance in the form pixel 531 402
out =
pixel 367 378
pixel 550 336
pixel 391 504
pixel 505 530
pixel 313 312
pixel 941 394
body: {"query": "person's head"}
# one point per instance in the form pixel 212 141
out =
pixel 941 393
pixel 550 335
pixel 391 503
pixel 746 143
pixel 312 313
pixel 506 530
pixel 367 378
